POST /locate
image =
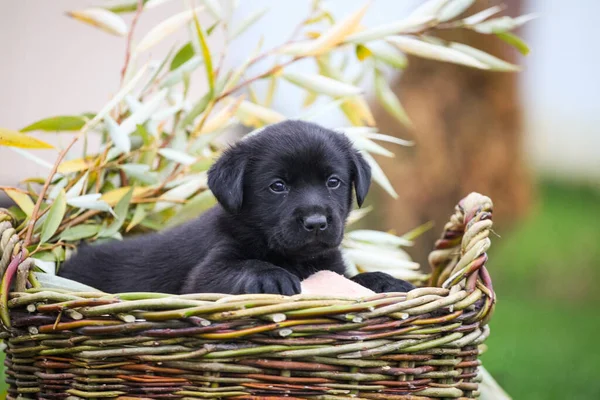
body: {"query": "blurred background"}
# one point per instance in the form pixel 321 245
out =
pixel 530 141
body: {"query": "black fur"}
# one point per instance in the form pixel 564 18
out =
pixel 258 239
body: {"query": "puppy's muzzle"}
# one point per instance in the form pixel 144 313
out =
pixel 315 222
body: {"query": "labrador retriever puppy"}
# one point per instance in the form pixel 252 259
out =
pixel 284 195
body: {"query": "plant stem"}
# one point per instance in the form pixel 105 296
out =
pixel 136 17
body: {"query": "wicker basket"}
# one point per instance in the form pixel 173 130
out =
pixel 417 345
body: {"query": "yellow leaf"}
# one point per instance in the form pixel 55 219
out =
pixel 23 200
pixel 205 53
pixel 220 119
pixel 101 18
pixel 76 165
pixel 256 116
pixel 362 52
pixel 309 99
pixel 313 34
pixel 114 196
pixel 12 138
pixel 329 39
pixel 358 112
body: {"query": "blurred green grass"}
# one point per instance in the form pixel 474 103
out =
pixel 546 270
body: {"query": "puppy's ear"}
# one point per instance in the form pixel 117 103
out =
pixel 361 174
pixel 226 178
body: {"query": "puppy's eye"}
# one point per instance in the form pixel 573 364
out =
pixel 278 187
pixel 333 183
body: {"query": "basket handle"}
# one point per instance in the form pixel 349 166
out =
pixel 459 258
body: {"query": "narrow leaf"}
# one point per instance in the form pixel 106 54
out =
pixel 116 195
pixel 11 138
pixel 101 18
pixel 177 156
pixel 379 176
pixel 75 165
pixel 184 70
pixel 322 84
pixel 181 192
pixel 357 111
pixel 248 22
pixel 435 52
pixel 118 136
pixel 430 8
pixel 90 202
pixel 214 8
pixel 256 116
pixel 165 28
pixel 494 63
pixel 78 187
pixel 482 15
pixel 389 55
pixel 184 54
pixel 378 237
pixel 408 25
pixel 54 217
pixel 138 215
pixel 57 124
pixel 205 53
pixel 329 39
pixel 193 208
pixel 79 232
pixel 32 157
pixel 141 172
pixel 197 109
pixel 22 199
pixel 57 282
pixel 139 117
pixel 502 24
pixel 121 213
pixel 514 41
pixel 124 91
pixel 453 9
pixel 362 52
pixel 389 101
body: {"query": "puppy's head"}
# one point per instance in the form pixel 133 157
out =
pixel 293 183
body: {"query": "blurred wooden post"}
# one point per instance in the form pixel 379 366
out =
pixel 468 138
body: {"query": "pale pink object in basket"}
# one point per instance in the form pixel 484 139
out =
pixel 330 283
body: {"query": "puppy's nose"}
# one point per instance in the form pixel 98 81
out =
pixel 315 222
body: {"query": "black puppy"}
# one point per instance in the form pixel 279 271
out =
pixel 284 197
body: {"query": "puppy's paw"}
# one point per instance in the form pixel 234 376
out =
pixel 272 280
pixel 380 282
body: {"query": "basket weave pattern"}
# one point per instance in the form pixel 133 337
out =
pixel 417 345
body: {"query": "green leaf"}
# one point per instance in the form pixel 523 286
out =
pixel 514 41
pixel 197 109
pixel 177 156
pixel 54 217
pixel 184 54
pixel 79 232
pixel 495 63
pixel 389 55
pixel 121 213
pixel 193 208
pixel 248 22
pixel 22 199
pixel 138 216
pixel 205 53
pixel 362 52
pixel 389 101
pixel 56 124
pixel 12 138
